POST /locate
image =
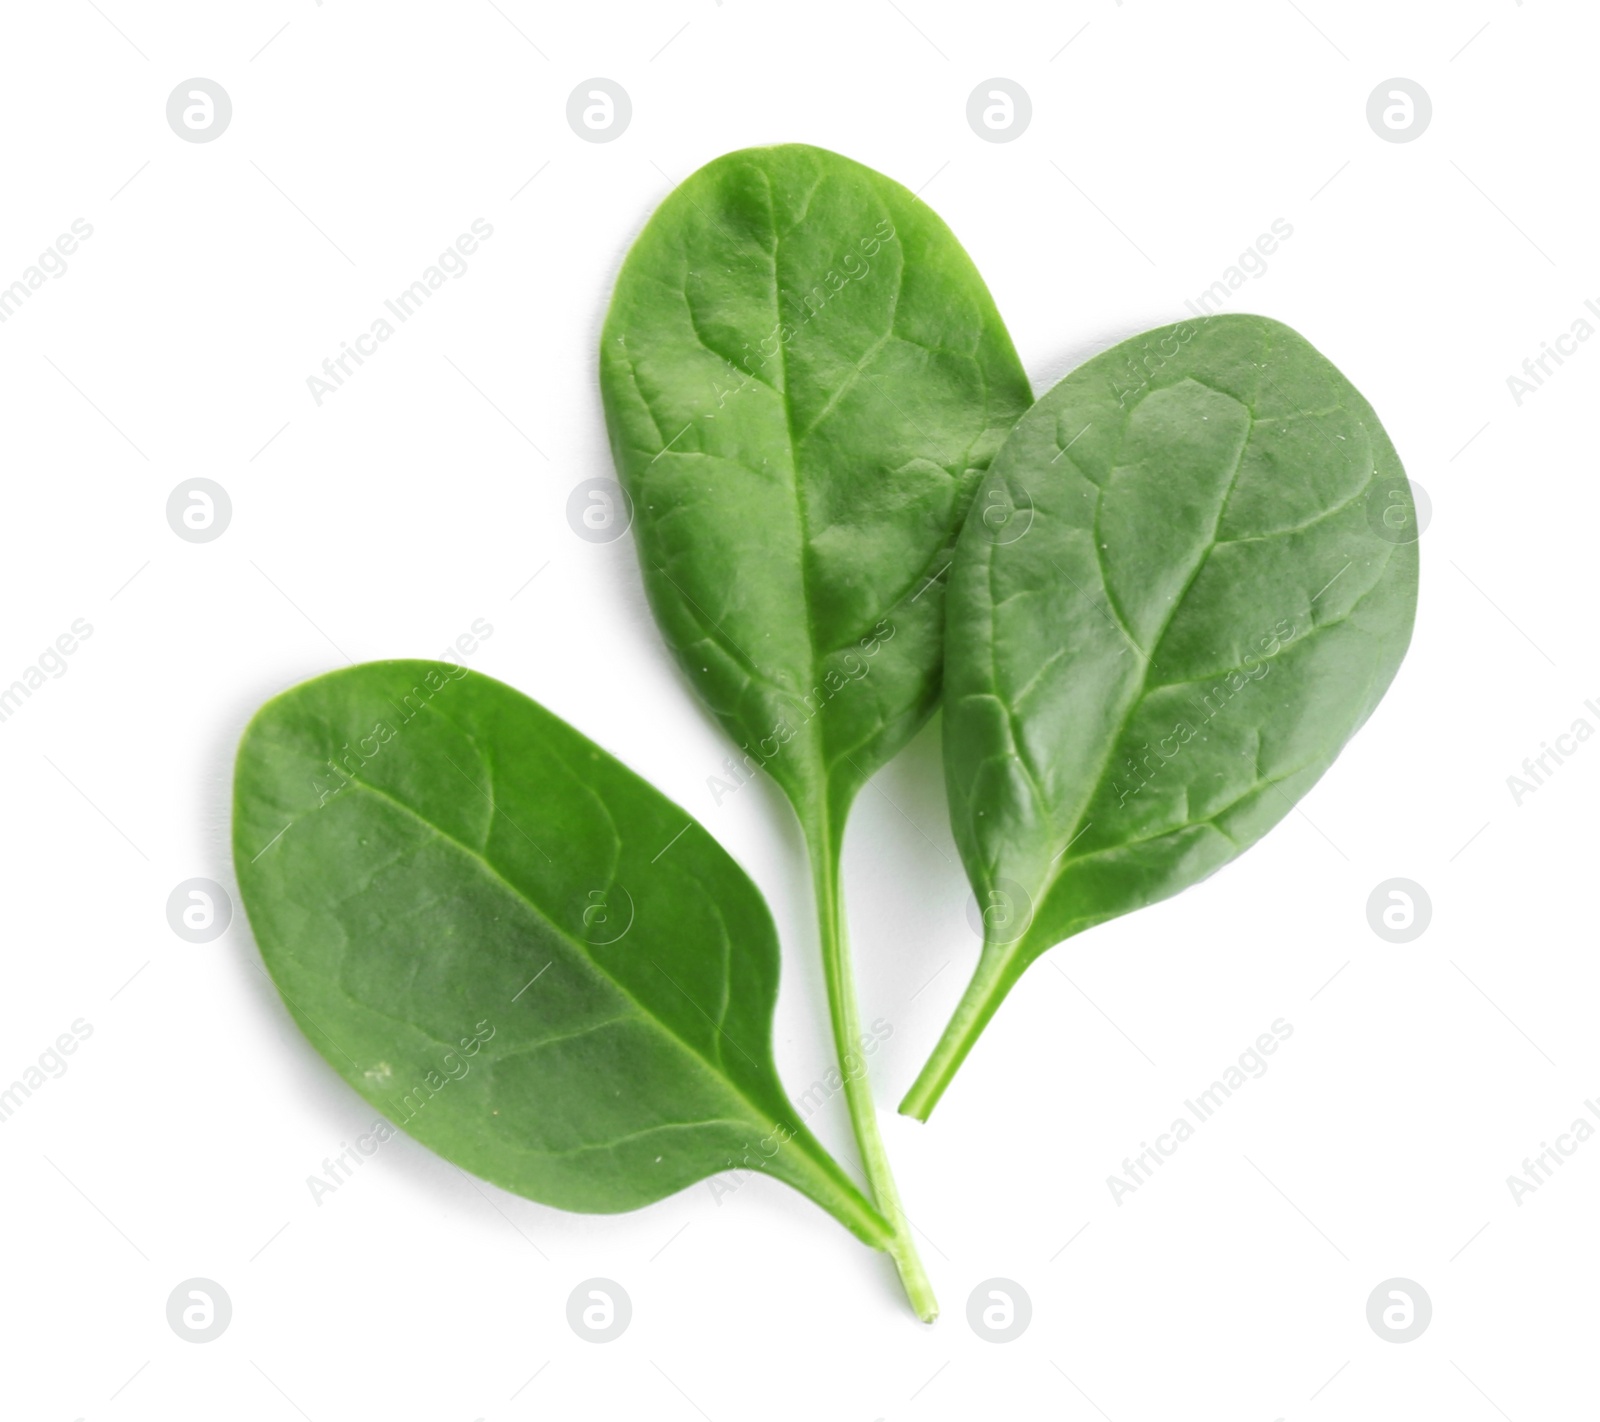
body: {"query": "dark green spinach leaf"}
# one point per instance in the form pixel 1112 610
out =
pixel 804 378
pixel 514 947
pixel 1188 580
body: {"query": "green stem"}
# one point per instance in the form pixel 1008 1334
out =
pixel 997 970
pixel 846 1018
pixel 803 1163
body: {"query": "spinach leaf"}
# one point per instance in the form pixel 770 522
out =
pixel 1188 580
pixel 514 947
pixel 804 378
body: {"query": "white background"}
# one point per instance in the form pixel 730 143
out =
pixel 428 491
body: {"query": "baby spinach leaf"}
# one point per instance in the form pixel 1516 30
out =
pixel 1187 581
pixel 514 947
pixel 804 378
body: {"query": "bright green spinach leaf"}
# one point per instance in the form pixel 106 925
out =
pixel 804 378
pixel 1187 581
pixel 514 947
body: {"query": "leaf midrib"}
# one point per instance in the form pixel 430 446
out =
pixel 1177 602
pixel 703 1063
pixel 829 763
pixel 802 513
pixel 1149 661
pixel 1155 642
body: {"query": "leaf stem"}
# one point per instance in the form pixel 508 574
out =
pixel 805 1164
pixel 997 971
pixel 846 1018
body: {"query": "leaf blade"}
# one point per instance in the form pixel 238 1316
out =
pixel 445 859
pixel 1196 617
pixel 803 377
